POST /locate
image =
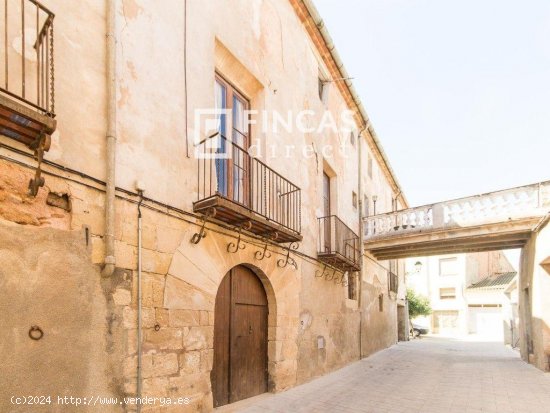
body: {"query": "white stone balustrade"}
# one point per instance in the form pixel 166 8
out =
pixel 500 206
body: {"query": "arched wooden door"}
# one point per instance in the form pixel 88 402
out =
pixel 240 338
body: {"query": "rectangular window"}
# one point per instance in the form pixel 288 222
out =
pixel 354 199
pixel 447 293
pixel 321 85
pixel 352 286
pixel 448 266
pixel 352 138
pixel 381 302
pixel 326 241
pixel 365 206
pixel 232 170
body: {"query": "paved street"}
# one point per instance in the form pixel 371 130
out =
pixel 426 375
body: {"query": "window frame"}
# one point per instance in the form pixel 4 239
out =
pixel 443 296
pixel 231 93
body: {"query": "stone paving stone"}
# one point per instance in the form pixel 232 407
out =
pixel 426 375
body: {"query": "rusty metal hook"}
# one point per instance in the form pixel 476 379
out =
pixel 198 236
pixel 40 145
pixel 282 263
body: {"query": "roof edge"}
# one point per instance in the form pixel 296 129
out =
pixel 321 28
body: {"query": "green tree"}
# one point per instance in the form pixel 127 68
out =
pixel 418 304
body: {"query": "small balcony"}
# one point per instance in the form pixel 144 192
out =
pixel 338 244
pixel 242 191
pixel 27 73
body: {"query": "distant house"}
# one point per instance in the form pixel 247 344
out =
pixel 466 292
pixel 488 305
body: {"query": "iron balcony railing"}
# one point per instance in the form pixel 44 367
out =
pixel 226 170
pixel 28 56
pixel 338 241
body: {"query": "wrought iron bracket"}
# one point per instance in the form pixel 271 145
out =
pixel 264 253
pixel 40 145
pixel 240 245
pixel 332 276
pixel 321 273
pixel 283 262
pixel 198 236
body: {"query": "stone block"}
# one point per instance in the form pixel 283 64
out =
pixel 128 231
pixel 207 359
pixel 164 339
pixel 162 364
pixel 122 296
pixel 152 289
pixel 180 295
pixel 204 318
pixel 198 338
pixel 162 316
pixel 155 387
pixel 129 317
pixel 126 255
pixel 186 385
pixel 149 237
pixel 98 250
pixel 169 239
pixel 184 318
pixel 190 362
pixel 154 261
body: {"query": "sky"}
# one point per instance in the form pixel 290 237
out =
pixel 457 91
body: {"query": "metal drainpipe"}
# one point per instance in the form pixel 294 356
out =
pixel 360 203
pixel 110 260
pixel 139 321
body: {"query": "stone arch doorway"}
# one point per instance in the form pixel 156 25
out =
pixel 239 370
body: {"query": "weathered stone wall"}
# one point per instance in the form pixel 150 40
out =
pixel 328 335
pixel 379 327
pixel 47 280
pixel 268 55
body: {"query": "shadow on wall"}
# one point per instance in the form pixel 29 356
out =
pixel 47 280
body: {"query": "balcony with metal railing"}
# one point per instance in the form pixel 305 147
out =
pixel 242 191
pixel 338 244
pixel 27 93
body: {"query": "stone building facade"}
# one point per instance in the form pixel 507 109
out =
pixel 70 293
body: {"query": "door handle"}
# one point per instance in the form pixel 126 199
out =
pixel 249 329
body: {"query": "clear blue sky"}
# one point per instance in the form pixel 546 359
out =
pixel 458 91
